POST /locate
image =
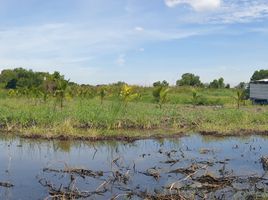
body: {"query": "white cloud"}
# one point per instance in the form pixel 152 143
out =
pixel 138 28
pixel 198 5
pixel 70 43
pixel 121 60
pixel 243 12
pixel 74 47
pixel 223 11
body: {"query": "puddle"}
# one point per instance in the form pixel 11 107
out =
pixel 191 167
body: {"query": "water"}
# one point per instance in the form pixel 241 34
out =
pixel 22 162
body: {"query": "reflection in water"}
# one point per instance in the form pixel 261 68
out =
pixel 146 162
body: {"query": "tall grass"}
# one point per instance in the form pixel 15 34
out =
pixel 91 116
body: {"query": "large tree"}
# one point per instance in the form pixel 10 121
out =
pixel 189 79
pixel 258 75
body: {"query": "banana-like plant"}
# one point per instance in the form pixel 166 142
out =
pixel 61 91
pixel 163 96
pixel 239 98
pixel 160 94
pixel 195 97
pixel 128 94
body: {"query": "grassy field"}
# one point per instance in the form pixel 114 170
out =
pixel 88 118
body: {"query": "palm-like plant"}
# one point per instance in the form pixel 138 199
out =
pixel 160 94
pixel 163 96
pixel 195 97
pixel 128 94
pixel 61 90
pixel 239 98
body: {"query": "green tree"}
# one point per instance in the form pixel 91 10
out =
pixel 11 84
pixel 259 74
pixel 227 86
pixel 164 83
pixel 189 79
pixel 241 85
pixel 7 75
pixel 217 83
pixel 21 78
pixel 221 83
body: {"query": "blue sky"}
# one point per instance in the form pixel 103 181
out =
pixel 137 41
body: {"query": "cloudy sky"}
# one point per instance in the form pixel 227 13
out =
pixel 137 41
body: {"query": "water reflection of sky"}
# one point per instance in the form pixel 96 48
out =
pixel 22 160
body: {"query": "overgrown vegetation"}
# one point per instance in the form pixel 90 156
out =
pixel 42 103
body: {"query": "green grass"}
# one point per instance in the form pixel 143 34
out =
pixel 183 95
pixel 141 118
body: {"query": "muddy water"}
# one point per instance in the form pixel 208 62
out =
pixel 217 168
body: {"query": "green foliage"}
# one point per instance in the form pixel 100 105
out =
pixel 102 93
pixel 163 96
pixel 89 115
pixel 160 95
pixel 195 98
pixel 189 79
pixel 227 86
pixel 61 91
pixel 200 98
pixel 240 97
pixel 11 84
pixel 156 93
pixel 241 86
pixel 164 83
pixel 84 91
pixel 46 87
pixel 128 94
pixel 217 83
pixel 258 75
pixel 12 93
pixel 21 78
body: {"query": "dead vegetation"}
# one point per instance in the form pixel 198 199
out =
pixel 264 161
pixel 6 184
pixel 197 180
pixel 75 171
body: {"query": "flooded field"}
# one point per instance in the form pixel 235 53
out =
pixel 191 167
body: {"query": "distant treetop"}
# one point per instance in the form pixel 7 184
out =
pixel 189 79
pixel 258 75
pixel 23 78
pixel 164 83
pixel 217 83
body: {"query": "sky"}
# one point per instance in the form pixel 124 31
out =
pixel 136 41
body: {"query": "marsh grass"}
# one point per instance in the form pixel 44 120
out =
pixel 93 118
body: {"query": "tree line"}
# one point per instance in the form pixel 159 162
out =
pixel 22 82
pixel 22 78
pixel 190 79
